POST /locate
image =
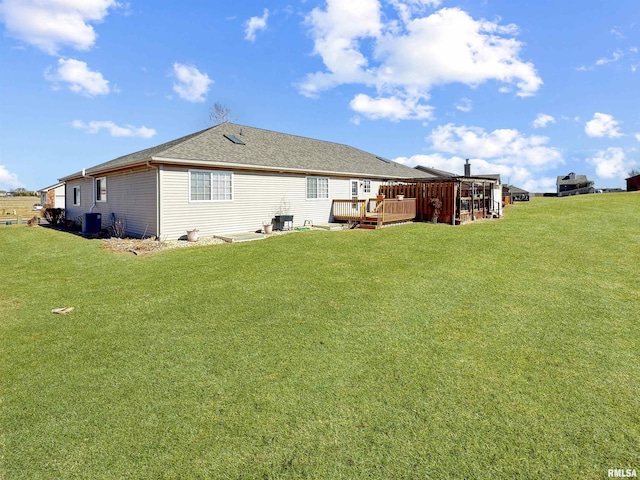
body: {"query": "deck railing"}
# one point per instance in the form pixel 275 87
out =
pixel 349 209
pixel 374 210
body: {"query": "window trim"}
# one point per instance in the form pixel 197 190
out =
pixel 79 202
pixel 306 188
pixel 366 186
pixel 101 181
pixel 211 173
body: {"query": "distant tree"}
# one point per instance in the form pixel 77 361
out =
pixel 22 192
pixel 633 172
pixel 219 113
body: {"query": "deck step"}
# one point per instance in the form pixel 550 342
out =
pixel 368 226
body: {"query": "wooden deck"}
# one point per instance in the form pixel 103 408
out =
pixel 374 213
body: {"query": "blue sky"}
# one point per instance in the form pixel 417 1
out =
pixel 530 90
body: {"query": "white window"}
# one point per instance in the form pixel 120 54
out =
pixel 366 186
pixel 101 189
pixel 317 187
pixel 210 186
pixel 76 196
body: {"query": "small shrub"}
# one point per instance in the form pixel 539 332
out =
pixel 53 215
pixel 436 204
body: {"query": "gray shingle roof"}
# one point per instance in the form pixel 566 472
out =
pixel 513 189
pixel 567 180
pixel 265 150
pixel 435 172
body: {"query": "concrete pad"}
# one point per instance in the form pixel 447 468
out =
pixel 241 237
pixel 331 226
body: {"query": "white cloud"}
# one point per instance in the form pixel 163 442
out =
pixel 8 180
pixel 617 55
pixel 78 77
pixel 503 146
pixel 612 163
pixel 255 24
pixel 507 152
pixel 336 32
pixel 542 120
pixel 637 136
pixel 464 105
pixel 192 85
pixel 513 174
pixel 392 108
pixel 602 125
pixel 615 31
pixel 51 24
pixel 114 130
pixel 409 56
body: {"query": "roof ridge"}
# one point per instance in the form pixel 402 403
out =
pixel 304 138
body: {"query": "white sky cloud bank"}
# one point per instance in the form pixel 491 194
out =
pixel 503 146
pixel 78 77
pixel 192 85
pixel 255 24
pixel 612 163
pixel 513 174
pixel 602 125
pixel 51 24
pixel 507 152
pixel 542 120
pixel 8 180
pixel 404 58
pixel 113 129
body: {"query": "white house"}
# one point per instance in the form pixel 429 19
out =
pixel 227 179
pixel 53 196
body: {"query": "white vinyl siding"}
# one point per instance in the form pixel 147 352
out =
pixel 210 186
pixel 257 197
pixel 317 187
pixel 132 198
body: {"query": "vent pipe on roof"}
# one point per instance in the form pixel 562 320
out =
pixel 467 169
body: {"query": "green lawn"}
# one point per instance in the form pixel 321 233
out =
pixel 502 349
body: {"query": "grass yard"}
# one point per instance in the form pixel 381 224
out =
pixel 501 349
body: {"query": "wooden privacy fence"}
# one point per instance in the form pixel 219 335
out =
pixel 423 192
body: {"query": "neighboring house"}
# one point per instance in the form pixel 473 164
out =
pixel 53 196
pixel 573 184
pixel 633 183
pixel 227 179
pixel 512 194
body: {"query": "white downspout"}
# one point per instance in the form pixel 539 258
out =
pixel 157 197
pixel 93 183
